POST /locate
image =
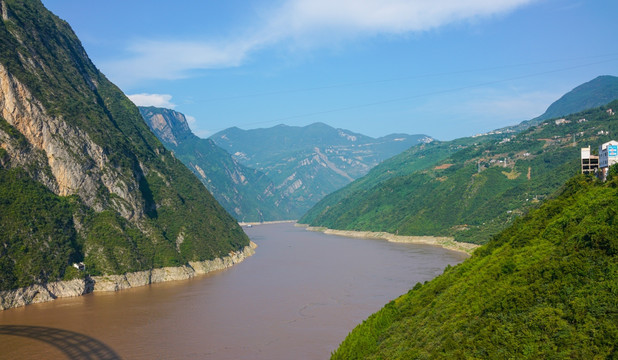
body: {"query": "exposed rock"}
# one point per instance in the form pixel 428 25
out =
pixel 75 161
pixel 53 290
pixel 42 293
pixel 169 132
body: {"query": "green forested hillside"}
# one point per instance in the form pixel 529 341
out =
pixel 476 191
pixel 544 288
pixel 416 158
pixel 81 175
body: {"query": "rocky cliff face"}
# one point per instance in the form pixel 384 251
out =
pixel 170 126
pixel 82 178
pixel 73 163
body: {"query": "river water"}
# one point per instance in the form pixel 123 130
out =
pixel 296 298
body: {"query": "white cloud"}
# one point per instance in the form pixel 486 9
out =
pixel 175 59
pixel 158 100
pixel 383 16
pixel 313 22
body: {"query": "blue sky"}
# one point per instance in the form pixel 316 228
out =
pixel 445 68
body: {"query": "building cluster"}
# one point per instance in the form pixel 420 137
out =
pixel 599 164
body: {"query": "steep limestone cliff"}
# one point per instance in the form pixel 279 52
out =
pixel 76 162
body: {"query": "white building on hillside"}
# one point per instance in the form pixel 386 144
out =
pixel 608 156
pixel 589 162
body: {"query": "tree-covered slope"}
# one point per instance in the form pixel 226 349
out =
pixel 544 288
pixel 415 158
pixel 310 162
pixel 247 194
pixel 476 191
pixel 70 139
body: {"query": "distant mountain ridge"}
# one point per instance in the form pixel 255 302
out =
pixel 247 194
pixel 307 163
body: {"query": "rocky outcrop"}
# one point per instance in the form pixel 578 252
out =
pixel 170 126
pixel 78 165
pixel 45 292
pixel 53 290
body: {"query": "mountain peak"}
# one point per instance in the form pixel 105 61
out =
pixel 171 126
pixel 596 92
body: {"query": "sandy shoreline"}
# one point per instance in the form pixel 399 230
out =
pixel 266 222
pixel 445 242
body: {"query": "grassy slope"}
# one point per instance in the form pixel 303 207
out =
pixel 454 199
pixel 594 93
pixel 546 287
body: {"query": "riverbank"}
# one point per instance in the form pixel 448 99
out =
pixel 266 222
pixel 47 292
pixel 445 242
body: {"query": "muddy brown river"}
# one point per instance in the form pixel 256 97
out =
pixel 296 298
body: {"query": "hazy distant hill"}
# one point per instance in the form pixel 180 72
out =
pixel 82 178
pixel 247 194
pixel 545 288
pixel 307 163
pixel 474 190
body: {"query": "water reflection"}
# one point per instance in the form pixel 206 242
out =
pixel 73 344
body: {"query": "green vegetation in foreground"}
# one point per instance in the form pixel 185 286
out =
pixel 544 288
pixel 471 193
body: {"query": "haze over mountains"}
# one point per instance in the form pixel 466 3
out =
pixel 307 163
pixel 594 93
